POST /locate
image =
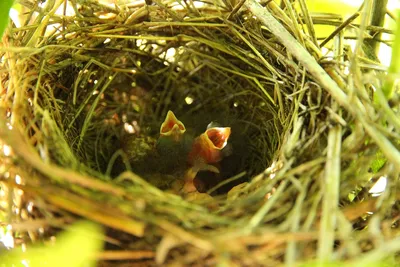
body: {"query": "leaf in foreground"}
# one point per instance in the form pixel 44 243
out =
pixel 5 6
pixel 74 247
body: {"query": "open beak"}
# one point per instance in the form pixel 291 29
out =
pixel 207 147
pixel 172 127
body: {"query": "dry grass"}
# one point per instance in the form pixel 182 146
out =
pixel 312 137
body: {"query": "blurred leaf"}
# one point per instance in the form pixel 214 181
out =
pixel 344 8
pixel 74 247
pixel 339 7
pixel 378 162
pixel 386 262
pixel 5 6
pixel 317 264
pixel 394 68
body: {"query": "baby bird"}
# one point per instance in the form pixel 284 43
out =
pixel 207 150
pixel 208 147
pixel 173 145
pixel 172 128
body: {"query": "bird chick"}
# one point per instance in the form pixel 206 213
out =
pixel 207 150
pixel 209 147
pixel 173 144
pixel 172 128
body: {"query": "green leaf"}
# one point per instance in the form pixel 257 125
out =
pixel 5 6
pixel 388 261
pixel 74 247
pixel 394 68
pixel 378 162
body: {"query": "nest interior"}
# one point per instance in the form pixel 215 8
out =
pixel 83 97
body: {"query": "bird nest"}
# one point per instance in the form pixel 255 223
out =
pixel 83 97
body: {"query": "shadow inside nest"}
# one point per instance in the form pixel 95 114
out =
pixel 243 158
